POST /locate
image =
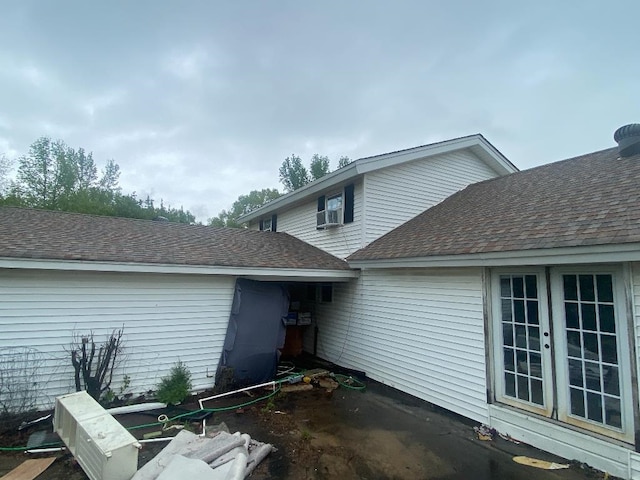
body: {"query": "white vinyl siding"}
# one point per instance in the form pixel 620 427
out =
pixel 419 331
pixel 340 241
pixel 397 194
pixel 165 318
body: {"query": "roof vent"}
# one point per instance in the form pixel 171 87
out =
pixel 628 138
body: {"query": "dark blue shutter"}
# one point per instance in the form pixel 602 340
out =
pixel 348 203
pixel 261 225
pixel 321 203
pixel 274 222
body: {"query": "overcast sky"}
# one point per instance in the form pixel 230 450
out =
pixel 200 102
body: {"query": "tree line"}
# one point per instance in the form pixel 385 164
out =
pixel 54 176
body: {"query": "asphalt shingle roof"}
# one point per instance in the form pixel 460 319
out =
pixel 40 234
pixel 589 200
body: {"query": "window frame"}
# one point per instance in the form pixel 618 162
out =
pixel 326 210
pixel 328 199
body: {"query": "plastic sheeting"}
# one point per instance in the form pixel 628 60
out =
pixel 256 331
pixel 221 457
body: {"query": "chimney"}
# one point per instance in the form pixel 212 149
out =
pixel 628 138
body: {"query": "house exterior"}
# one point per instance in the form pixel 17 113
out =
pixel 511 298
pixel 349 208
pixel 514 302
pixel 169 286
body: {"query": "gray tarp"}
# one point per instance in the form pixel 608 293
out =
pixel 255 332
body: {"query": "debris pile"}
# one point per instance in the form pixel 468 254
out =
pixel 484 432
pixel 223 456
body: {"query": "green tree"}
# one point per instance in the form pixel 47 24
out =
pixel 110 177
pixel 86 171
pixel 344 161
pixel 319 166
pixel 243 205
pixel 55 176
pixel 293 173
pixel 44 174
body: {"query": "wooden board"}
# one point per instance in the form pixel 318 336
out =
pixel 316 372
pixel 29 469
pixel 534 462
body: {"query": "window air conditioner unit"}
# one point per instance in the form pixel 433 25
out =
pixel 329 218
pixel 334 217
pixel 104 449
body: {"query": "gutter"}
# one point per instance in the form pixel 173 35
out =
pixel 130 267
pixel 555 256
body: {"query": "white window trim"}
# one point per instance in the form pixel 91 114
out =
pixel 264 225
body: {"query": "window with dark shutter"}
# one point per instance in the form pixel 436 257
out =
pixel 274 223
pixel 261 225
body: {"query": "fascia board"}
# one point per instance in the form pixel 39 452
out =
pixel 370 164
pixel 126 267
pixel 492 156
pixel 550 256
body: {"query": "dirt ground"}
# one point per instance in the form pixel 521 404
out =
pixel 347 434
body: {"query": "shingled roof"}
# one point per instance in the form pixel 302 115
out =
pixel 589 200
pixel 40 234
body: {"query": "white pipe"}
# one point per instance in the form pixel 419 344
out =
pixel 46 450
pixel 139 407
pixel 152 440
pixel 204 427
pixel 272 383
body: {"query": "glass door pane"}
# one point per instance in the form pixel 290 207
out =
pixel 522 365
pixel 592 349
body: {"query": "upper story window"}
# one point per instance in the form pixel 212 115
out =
pixel 335 209
pixel 329 211
pixel 268 224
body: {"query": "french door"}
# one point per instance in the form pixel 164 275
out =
pixel 569 359
pixel 521 335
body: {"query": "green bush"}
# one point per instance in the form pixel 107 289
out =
pixel 175 386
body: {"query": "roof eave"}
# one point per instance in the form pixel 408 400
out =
pixel 476 143
pixel 479 145
pixel 264 273
pixel 610 253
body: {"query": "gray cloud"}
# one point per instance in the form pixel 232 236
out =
pixel 200 102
